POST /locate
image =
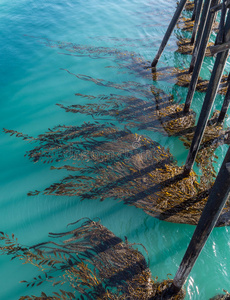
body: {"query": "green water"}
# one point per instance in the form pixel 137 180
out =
pixel 32 82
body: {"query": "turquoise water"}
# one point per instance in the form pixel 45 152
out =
pixel 32 82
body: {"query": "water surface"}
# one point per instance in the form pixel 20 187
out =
pixel 33 81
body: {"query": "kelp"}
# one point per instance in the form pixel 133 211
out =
pixel 116 163
pixel 169 74
pixel 186 24
pixel 153 110
pixel 134 87
pixel 185 47
pixel 130 42
pixel 160 112
pixel 203 85
pixel 129 60
pixel 214 136
pixel 124 166
pixel 183 77
pixel 221 296
pixel 163 115
pixel 91 261
pixel 174 75
pixel 189 6
pixel 162 291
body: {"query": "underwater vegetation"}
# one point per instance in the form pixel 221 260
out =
pixel 90 260
pixel 185 46
pixel 189 6
pixel 116 163
pixel 134 63
pixel 183 77
pixel 187 24
pixel 159 112
pixel 108 161
pixel 221 297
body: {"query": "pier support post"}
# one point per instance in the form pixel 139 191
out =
pixel 220 35
pixel 203 20
pixel 194 10
pixel 208 219
pixel 169 31
pixel 208 101
pixel 197 20
pixel 225 105
pixel 201 46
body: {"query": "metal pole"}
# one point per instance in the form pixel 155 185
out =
pixel 208 219
pixel 201 53
pixel 208 101
pixel 169 31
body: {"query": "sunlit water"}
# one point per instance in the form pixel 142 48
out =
pixel 32 82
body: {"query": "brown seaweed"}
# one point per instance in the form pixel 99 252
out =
pixel 93 262
pixel 183 77
pixel 189 6
pixel 221 296
pixel 128 61
pixel 185 47
pixel 130 167
pixel 119 164
pixel 187 24
pixel 163 114
pixel 158 112
pixel 123 166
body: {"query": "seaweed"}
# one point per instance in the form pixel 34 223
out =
pixel 187 24
pixel 183 77
pixel 129 60
pixel 221 296
pixel 91 261
pixel 189 6
pixel 161 113
pixel 115 163
pixel 121 165
pixel 185 47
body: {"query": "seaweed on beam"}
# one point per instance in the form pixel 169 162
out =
pixel 187 25
pixel 189 6
pixel 185 47
pixel 183 77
